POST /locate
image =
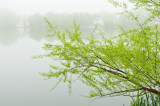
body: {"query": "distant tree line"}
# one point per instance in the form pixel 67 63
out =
pixel 8 19
pixel 108 22
pixel 87 20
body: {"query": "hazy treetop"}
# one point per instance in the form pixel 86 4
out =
pixel 27 7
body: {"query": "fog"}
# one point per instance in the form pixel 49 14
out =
pixel 22 34
pixel 26 7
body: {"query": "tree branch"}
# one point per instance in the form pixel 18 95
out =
pixel 92 84
pixel 119 75
pixel 154 2
pixel 124 91
pixel 152 90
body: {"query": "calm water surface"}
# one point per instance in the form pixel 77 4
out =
pixel 21 84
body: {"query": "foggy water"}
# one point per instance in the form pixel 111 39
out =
pixel 21 84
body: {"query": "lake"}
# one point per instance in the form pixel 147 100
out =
pixel 22 85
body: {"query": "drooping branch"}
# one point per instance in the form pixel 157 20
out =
pixel 154 2
pixel 133 82
pixel 152 90
pixel 93 84
pixel 114 68
pixel 109 65
pixel 119 75
pixel 123 91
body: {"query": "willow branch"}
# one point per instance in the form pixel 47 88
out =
pixel 93 84
pixel 124 91
pixel 154 2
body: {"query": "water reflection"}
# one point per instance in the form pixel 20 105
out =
pixel 37 34
pixel 8 36
pixel 21 85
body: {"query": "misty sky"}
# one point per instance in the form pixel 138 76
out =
pixel 26 7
